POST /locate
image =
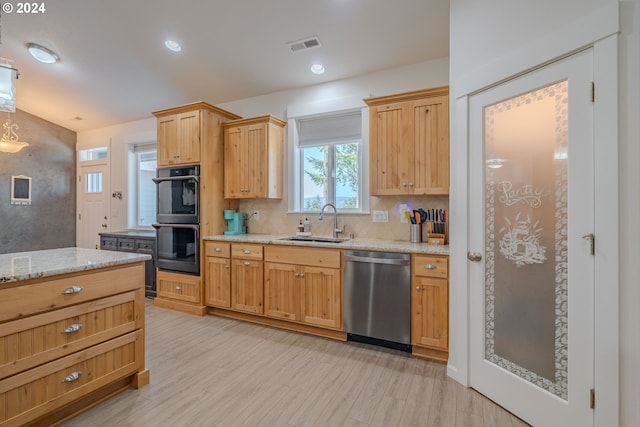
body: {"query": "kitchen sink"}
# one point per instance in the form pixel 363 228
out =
pixel 313 239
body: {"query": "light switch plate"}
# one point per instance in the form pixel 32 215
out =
pixel 380 216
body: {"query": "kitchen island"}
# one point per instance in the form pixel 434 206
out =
pixel 71 331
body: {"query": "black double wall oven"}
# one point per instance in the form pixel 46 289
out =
pixel 178 216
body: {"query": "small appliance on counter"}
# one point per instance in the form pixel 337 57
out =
pixel 235 222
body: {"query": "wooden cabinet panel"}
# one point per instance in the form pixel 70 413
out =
pixel 52 294
pixel 247 251
pixel 218 282
pixel 253 158
pixel 247 285
pixel 409 143
pixel 282 290
pixel 430 266
pixel 179 138
pixel 430 314
pixel 37 339
pixel 322 304
pixel 34 393
pixel 182 287
pixel 317 257
pixel 217 249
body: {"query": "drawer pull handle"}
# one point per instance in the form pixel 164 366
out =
pixel 246 251
pixel 72 328
pixel 74 376
pixel 247 263
pixel 218 249
pixel 72 290
pixel 178 288
pixel 430 266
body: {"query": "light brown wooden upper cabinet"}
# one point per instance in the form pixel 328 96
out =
pixel 253 158
pixel 409 142
pixel 183 130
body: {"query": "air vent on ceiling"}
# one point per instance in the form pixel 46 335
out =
pixel 308 43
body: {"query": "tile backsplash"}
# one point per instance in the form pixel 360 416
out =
pixel 274 218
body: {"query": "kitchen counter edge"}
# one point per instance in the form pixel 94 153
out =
pixel 354 244
pixel 18 266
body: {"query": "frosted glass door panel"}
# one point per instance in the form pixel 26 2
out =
pixel 526 139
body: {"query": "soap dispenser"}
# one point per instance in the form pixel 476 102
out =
pixel 307 226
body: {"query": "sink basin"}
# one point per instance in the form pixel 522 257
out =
pixel 313 239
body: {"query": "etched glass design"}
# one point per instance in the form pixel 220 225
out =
pixel 526 151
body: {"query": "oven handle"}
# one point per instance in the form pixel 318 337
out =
pixel 191 226
pixel 177 178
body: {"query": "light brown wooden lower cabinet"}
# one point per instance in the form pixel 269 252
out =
pixel 181 292
pixel 430 306
pixel 62 352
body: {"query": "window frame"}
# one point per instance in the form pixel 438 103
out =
pixel 135 150
pixel 327 107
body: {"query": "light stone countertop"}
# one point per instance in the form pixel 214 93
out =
pixel 31 265
pixel 355 244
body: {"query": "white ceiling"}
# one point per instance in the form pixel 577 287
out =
pixel 114 67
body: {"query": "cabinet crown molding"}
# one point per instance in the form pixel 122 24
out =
pixel 200 105
pixel 408 96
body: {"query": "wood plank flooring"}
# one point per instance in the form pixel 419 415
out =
pixel 210 371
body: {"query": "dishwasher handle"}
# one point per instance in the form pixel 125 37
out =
pixel 373 260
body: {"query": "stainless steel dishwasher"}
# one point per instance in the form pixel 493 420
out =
pixel 377 298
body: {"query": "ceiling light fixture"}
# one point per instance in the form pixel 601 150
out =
pixel 9 142
pixel 317 69
pixel 173 45
pixel 42 54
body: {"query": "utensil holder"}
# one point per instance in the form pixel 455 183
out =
pixel 415 233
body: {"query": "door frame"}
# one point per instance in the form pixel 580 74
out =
pixel 606 328
pixel 106 185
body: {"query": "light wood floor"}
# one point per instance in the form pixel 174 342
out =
pixel 210 371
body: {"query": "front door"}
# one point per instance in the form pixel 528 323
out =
pixel 93 204
pixel 531 221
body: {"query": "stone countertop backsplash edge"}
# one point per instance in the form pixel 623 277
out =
pixel 353 244
pixel 20 266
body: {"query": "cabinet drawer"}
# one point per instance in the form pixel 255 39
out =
pixel 246 251
pixel 35 340
pixel 317 257
pixel 34 393
pixel 144 246
pixel 109 243
pixel 181 287
pixel 218 249
pixel 431 266
pixel 48 295
pixel 126 245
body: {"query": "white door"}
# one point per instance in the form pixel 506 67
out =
pixel 531 221
pixel 93 204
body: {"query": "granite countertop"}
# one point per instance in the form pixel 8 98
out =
pixel 31 265
pixel 355 244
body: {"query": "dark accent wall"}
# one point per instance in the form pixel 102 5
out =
pixel 50 160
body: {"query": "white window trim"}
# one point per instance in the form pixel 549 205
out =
pixel 132 185
pixel 319 108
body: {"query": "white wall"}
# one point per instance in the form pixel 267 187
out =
pixel 118 137
pixel 496 39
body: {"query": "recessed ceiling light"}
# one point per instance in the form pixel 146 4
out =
pixel 42 53
pixel 173 45
pixel 317 69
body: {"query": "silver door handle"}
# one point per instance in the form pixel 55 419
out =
pixel 474 256
pixel 72 290
pixel 72 328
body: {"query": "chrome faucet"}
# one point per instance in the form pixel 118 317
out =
pixel 336 230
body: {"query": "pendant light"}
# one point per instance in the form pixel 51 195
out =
pixel 9 142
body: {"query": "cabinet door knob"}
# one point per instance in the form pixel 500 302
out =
pixel 296 274
pixel 430 266
pixel 418 288
pixel 72 328
pixel 74 376
pixel 226 266
pixel 247 263
pixel 72 290
pixel 178 288
pixel 302 275
pixel 218 249
pixel 411 184
pixel 404 184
